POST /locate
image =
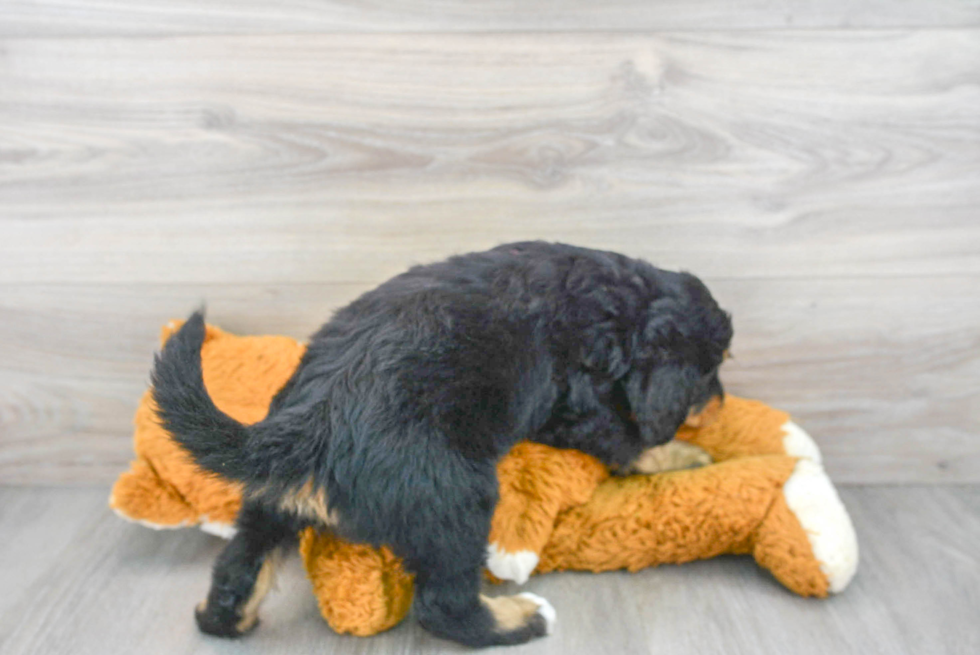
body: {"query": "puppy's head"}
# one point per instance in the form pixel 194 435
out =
pixel 679 349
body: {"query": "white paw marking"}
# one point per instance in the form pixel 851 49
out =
pixel 797 443
pixel 812 497
pixel 511 566
pixel 544 609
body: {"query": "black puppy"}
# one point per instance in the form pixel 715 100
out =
pixel 390 429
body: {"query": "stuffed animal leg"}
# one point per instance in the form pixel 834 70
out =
pixel 537 483
pixel 360 590
pixel 767 496
pixel 742 506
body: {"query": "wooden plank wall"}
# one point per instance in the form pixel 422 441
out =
pixel 817 163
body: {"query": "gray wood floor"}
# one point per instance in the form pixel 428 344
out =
pixel 76 579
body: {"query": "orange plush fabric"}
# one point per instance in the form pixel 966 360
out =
pixel 564 506
pixel 558 509
pixel 164 489
pixel 678 516
pixel 360 589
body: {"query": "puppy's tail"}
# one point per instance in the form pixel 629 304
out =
pixel 217 442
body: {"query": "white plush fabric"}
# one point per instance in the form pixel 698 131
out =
pixel 812 497
pixel 511 566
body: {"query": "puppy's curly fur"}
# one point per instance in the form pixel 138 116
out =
pixel 390 428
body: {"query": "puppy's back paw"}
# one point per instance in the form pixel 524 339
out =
pixel 223 623
pixel 520 618
pixel 545 610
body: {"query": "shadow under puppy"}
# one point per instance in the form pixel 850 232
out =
pixel 390 429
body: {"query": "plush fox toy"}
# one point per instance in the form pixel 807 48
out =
pixel 766 495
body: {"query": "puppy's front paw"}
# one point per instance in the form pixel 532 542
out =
pixel 694 456
pixel 670 456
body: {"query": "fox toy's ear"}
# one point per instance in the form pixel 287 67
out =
pixel 660 399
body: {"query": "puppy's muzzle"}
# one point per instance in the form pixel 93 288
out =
pixel 702 417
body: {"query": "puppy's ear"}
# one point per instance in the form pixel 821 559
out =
pixel 660 399
pixel 605 352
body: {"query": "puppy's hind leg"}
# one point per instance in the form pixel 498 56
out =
pixel 449 604
pixel 243 573
pixel 448 573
